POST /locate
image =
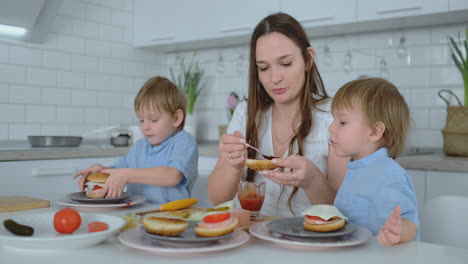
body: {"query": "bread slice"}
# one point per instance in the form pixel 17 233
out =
pixel 164 226
pixel 97 177
pixel 257 164
pixel 213 232
pixel 326 227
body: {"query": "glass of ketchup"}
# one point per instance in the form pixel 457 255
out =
pixel 251 196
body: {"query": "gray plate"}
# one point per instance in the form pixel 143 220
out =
pixel 82 198
pixel 187 237
pixel 294 227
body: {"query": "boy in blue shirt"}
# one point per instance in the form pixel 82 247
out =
pixel 371 119
pixel 163 166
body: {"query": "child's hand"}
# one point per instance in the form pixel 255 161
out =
pixel 84 173
pixel 115 184
pixel 390 232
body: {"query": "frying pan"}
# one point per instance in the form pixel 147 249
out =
pixel 62 141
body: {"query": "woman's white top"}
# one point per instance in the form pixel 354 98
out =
pixel 315 149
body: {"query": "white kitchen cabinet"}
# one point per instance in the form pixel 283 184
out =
pixel 458 5
pixel 47 179
pixel 313 13
pixel 446 183
pixel 381 9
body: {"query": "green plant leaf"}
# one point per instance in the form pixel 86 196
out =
pixel 457 50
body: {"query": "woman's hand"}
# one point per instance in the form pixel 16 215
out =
pixel 302 171
pixel 232 149
pixel 115 184
pixel 84 173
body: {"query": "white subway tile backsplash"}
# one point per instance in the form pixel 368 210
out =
pixel 71 44
pixel 414 77
pixel 63 25
pixel 56 60
pixel 446 76
pixel 84 63
pixel 96 81
pixel 22 131
pixel 16 113
pixel 4 53
pixel 86 29
pixel 4 135
pixel 41 76
pixel 438 118
pixel 111 33
pixel 55 130
pixel 111 66
pixel 70 79
pixel 21 94
pixel 12 74
pixel 124 84
pixel 73 8
pixel 96 116
pixel 121 18
pixel 128 100
pixel 123 51
pixel 440 55
pixel 70 115
pixel 84 98
pixel 98 47
pixel 109 99
pixel 56 96
pixel 426 138
pixel 424 98
pixel 4 93
pixel 98 14
pixel 120 116
pixel 419 118
pixel 36 114
pixel 134 69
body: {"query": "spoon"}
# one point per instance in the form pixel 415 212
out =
pixel 264 156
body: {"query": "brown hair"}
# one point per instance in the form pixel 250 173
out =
pixel 380 101
pixel 158 93
pixel 259 101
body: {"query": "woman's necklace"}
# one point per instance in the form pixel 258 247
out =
pixel 280 146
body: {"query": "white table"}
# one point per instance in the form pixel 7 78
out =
pixel 255 251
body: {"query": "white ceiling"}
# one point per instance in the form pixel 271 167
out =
pixel 20 13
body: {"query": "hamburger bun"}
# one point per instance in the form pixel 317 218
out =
pixel 95 178
pixel 213 232
pixel 98 177
pixel 165 226
pixel 260 164
pixel 333 226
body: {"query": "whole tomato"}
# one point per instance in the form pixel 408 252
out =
pixel 67 221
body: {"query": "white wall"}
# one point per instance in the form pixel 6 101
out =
pixel 430 70
pixel 85 76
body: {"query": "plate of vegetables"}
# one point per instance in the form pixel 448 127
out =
pixel 64 229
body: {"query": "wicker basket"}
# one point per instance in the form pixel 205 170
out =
pixel 455 132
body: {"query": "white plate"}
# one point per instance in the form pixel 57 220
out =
pixel 81 197
pixel 360 236
pixel 133 200
pixel 45 236
pixel 136 238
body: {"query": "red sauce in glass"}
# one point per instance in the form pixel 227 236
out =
pixel 252 202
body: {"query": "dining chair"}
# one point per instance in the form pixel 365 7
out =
pixel 443 221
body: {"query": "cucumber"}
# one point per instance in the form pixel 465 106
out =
pixel 18 229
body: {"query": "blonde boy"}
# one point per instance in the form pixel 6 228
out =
pixel 370 123
pixel 163 166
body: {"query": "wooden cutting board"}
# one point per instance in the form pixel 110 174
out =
pixel 18 203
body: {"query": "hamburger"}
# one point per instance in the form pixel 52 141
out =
pixel 95 181
pixel 216 223
pixel 260 164
pixel 323 218
pixel 165 226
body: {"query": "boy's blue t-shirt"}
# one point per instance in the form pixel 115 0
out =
pixel 371 189
pixel 179 151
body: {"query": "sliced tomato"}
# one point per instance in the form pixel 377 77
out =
pixel 97 226
pixel 97 187
pixel 216 218
pixel 313 217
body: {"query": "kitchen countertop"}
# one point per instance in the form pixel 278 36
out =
pixel 16 151
pixel 254 251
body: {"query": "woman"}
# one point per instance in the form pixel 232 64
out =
pixel 287 115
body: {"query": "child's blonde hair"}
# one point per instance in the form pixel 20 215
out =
pixel 379 100
pixel 160 94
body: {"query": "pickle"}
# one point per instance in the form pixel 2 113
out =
pixel 18 229
pixel 224 208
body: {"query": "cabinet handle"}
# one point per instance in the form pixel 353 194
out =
pixel 53 171
pixel 395 10
pixel 168 37
pixel 315 19
pixel 233 29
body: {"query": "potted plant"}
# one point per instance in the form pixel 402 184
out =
pixel 189 80
pixel 232 101
pixel 455 132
